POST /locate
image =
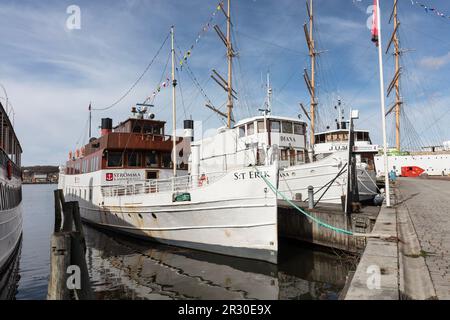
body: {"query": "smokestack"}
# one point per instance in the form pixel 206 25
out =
pixel 189 129
pixel 107 124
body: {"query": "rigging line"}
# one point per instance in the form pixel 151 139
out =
pixel 137 81
pixel 181 93
pixel 435 128
pixel 160 79
pixel 82 134
pixel 293 51
pixel 244 90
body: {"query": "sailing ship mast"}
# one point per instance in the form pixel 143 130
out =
pixel 311 82
pixel 227 85
pixel 396 80
pixel 230 56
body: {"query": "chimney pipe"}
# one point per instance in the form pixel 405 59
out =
pixel 106 127
pixel 189 129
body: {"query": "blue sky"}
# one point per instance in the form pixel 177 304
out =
pixel 52 73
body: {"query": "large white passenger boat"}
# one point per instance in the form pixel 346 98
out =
pixel 10 190
pixel 124 181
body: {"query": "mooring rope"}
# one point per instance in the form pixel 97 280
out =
pixel 316 220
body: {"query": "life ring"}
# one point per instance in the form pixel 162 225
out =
pixel 202 180
pixel 9 169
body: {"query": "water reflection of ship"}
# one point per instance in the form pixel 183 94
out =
pixel 124 269
pixel 9 275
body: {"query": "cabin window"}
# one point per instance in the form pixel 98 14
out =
pixel 137 129
pixel 250 129
pixel 151 160
pixel 148 129
pixel 115 159
pixel 298 128
pixel 287 127
pixel 359 136
pixel 300 157
pixel 167 160
pixel 284 155
pixel 134 159
pixel 157 130
pixel 242 132
pixel 261 127
pixel 152 175
pixel 275 126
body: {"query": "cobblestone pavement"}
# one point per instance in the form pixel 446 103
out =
pixel 428 203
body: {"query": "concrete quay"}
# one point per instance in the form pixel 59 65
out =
pixel 416 264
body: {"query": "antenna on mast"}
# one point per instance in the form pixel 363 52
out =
pixel 269 95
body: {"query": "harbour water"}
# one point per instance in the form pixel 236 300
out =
pixel 121 268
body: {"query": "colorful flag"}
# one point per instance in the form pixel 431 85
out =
pixel 375 27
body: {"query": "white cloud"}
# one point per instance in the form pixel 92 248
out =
pixel 435 63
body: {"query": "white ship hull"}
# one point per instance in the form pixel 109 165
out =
pixel 434 164
pixel 10 233
pixel 295 180
pixel 367 183
pixel 236 214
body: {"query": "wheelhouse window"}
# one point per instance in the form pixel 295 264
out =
pixel 242 132
pixel 151 160
pixel 250 129
pixel 148 129
pixel 275 126
pixel 115 159
pixel 298 129
pixel 261 127
pixel 157 130
pixel 320 138
pixel 287 127
pixel 137 129
pixel 134 159
pixel 167 160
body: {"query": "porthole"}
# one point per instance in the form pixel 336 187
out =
pixel 154 216
pixel 140 216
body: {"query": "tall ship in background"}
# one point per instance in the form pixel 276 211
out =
pixel 427 160
pixel 10 190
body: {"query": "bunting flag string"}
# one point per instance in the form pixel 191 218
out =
pixel 158 89
pixel 429 9
pixel 206 27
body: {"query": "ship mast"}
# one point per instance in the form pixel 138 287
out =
pixel 230 65
pixel 174 105
pixel 396 80
pixel 311 82
pixel 226 85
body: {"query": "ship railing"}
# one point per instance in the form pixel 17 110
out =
pixel 176 185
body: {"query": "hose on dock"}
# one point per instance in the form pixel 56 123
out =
pixel 320 222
